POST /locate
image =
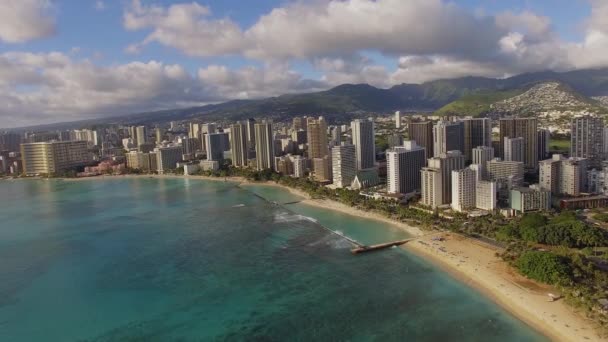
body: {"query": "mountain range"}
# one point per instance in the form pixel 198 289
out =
pixel 585 90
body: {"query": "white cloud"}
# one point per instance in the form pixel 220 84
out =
pixel 25 20
pixel 60 88
pixel 100 5
pixel 319 29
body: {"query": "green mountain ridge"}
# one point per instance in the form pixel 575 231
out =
pixel 473 95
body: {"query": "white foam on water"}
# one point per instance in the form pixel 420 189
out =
pixel 238 206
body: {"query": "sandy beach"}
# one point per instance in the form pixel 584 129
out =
pixel 470 261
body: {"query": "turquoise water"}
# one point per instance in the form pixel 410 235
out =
pixel 188 260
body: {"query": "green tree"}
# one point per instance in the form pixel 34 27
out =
pixel 545 267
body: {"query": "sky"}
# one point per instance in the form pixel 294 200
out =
pixel 66 60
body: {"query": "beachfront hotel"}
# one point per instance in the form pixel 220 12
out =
pixel 53 157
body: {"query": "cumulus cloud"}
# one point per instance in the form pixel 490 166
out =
pixel 25 20
pixel 60 88
pixel 452 40
pixel 319 28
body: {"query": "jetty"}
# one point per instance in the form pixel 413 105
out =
pixel 378 247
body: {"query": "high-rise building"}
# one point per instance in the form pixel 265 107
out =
pixel 142 135
pixel 432 187
pixel 485 195
pixel 514 149
pixel 251 133
pixel 422 134
pixel 238 144
pixel 397 119
pixel 563 176
pixel 10 141
pixel 344 165
pixel 448 136
pixel 159 134
pixel 264 145
pixel 363 138
pixel 477 132
pixel 300 137
pixel 217 144
pixel 189 147
pixel 544 137
pixel 446 163
pixel 90 136
pixel 529 199
pixel 322 169
pixel 395 140
pixel 525 128
pixel 464 184
pixel 208 128
pixel 299 166
pixel 297 123
pixel 482 155
pixel 317 137
pixel 284 165
pixel 507 173
pixel 167 157
pixel 336 135
pixel 194 130
pixel 404 164
pixel 54 157
pixel 587 140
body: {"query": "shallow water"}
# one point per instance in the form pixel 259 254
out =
pixel 189 260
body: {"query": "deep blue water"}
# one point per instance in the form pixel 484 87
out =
pixel 189 260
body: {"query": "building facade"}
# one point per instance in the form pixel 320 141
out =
pixel 344 165
pixel 525 128
pixel 404 164
pixel 464 189
pixel 54 157
pixel 363 137
pixel 587 139
pixel 264 146
pixel 448 136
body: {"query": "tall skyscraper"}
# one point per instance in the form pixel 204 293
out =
pixel 53 157
pixel 477 132
pixel 364 140
pixel 446 163
pixel 544 137
pixel 323 169
pixel 464 183
pixel 432 187
pixel 404 164
pixel 514 149
pixel 159 134
pixel 264 145
pixel 481 156
pixel 194 130
pixel 344 165
pixel 588 139
pixel 217 144
pixel 10 141
pixel 448 136
pixel 422 134
pixel 251 133
pixel 525 128
pixel 238 144
pixel 317 137
pixel 142 135
pixel 397 119
pixel 336 135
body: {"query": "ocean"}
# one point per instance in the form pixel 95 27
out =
pixel 143 259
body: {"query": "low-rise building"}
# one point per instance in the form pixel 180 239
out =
pixel 523 200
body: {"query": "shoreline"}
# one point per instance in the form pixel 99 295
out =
pixel 469 261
